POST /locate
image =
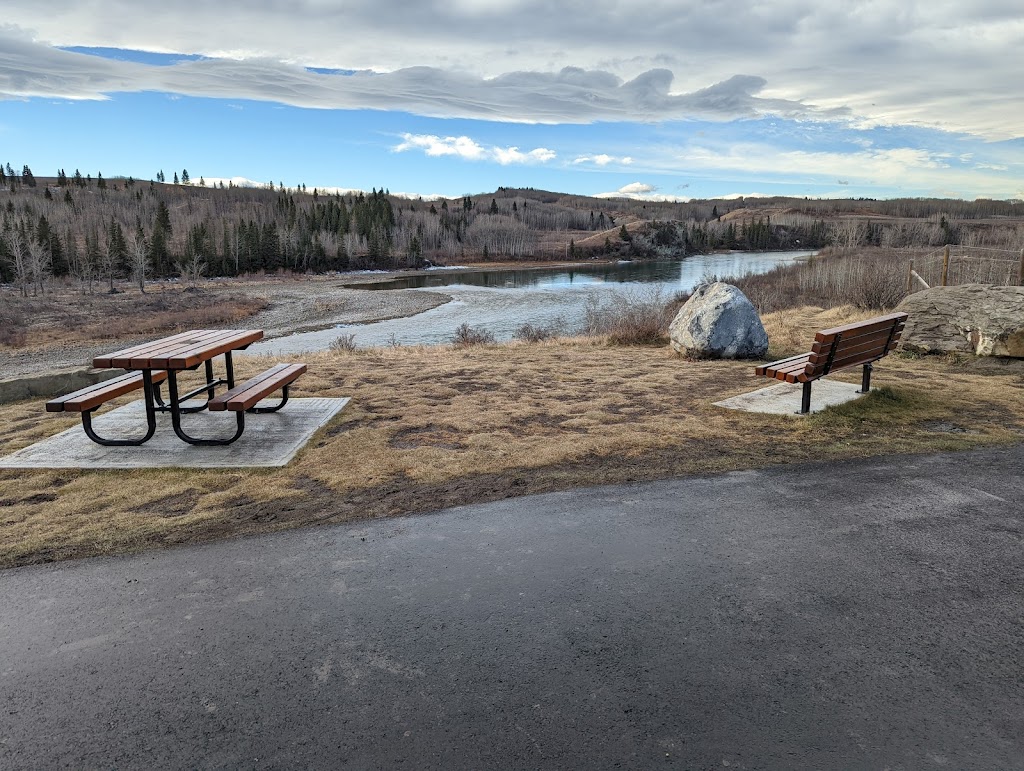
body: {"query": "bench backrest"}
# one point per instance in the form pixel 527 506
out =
pixel 854 344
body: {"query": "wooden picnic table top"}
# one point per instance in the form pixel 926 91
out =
pixel 180 351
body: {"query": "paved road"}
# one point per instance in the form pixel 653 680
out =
pixel 861 615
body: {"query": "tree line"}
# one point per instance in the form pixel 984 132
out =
pixel 99 230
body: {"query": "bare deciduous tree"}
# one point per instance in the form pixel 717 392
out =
pixel 138 256
pixel 39 265
pixel 18 255
pixel 192 269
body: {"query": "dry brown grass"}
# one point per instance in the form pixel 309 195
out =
pixel 66 315
pixel 429 428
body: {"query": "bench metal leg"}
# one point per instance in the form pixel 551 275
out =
pixel 176 411
pixel 150 391
pixel 805 399
pixel 276 407
pixel 865 380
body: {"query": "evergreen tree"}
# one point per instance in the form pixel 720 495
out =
pixel 184 177
pixel 176 178
pixel 26 177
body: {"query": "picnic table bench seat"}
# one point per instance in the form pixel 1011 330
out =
pixel 244 397
pixel 89 398
pixel 852 345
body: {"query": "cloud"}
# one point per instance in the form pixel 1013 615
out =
pixel 888 61
pixel 896 169
pixel 435 146
pixel 602 159
pixel 570 95
pixel 640 191
pixel 468 149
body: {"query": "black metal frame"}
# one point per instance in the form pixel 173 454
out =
pixel 155 403
pixel 151 394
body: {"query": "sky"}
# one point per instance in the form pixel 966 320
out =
pixel 669 99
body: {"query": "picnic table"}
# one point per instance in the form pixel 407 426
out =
pixel 150 364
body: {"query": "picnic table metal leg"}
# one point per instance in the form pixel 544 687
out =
pixel 149 391
pixel 276 407
pixel 229 369
pixel 176 411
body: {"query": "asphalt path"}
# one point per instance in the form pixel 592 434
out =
pixel 866 614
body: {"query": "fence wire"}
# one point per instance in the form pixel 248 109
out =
pixel 969 265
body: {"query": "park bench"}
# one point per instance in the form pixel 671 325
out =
pixel 839 348
pixel 87 400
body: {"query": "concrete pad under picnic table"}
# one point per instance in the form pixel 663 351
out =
pixel 270 439
pixel 784 398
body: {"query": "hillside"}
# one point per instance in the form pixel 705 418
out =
pixel 101 229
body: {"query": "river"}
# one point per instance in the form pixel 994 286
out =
pixel 501 301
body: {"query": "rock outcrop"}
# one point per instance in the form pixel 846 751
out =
pixel 719 322
pixel 972 318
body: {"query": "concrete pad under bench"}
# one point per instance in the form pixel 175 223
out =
pixel 784 398
pixel 269 440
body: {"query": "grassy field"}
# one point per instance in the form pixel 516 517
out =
pixel 429 428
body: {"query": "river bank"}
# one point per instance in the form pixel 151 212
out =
pixel 65 329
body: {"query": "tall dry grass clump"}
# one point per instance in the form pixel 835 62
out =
pixel 630 318
pixel 873 280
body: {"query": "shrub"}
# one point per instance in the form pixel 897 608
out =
pixel 467 335
pixel 345 342
pixel 528 333
pixel 630 319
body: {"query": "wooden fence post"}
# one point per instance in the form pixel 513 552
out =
pixel 910 278
pixel 945 265
pixel 1020 277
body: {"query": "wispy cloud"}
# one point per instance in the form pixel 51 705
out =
pixel 570 95
pixel 470 150
pixel 888 61
pixel 602 159
pixel 640 191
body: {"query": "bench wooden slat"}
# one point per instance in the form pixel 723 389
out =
pixel 854 360
pixel 878 335
pixel 780 369
pixel 760 369
pixel 106 360
pixel 162 348
pixel 881 345
pixel 871 325
pixel 244 396
pixel 93 396
pixel 213 347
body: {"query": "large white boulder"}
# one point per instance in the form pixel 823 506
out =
pixel 971 318
pixel 719 322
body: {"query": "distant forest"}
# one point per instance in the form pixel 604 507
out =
pixel 96 229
